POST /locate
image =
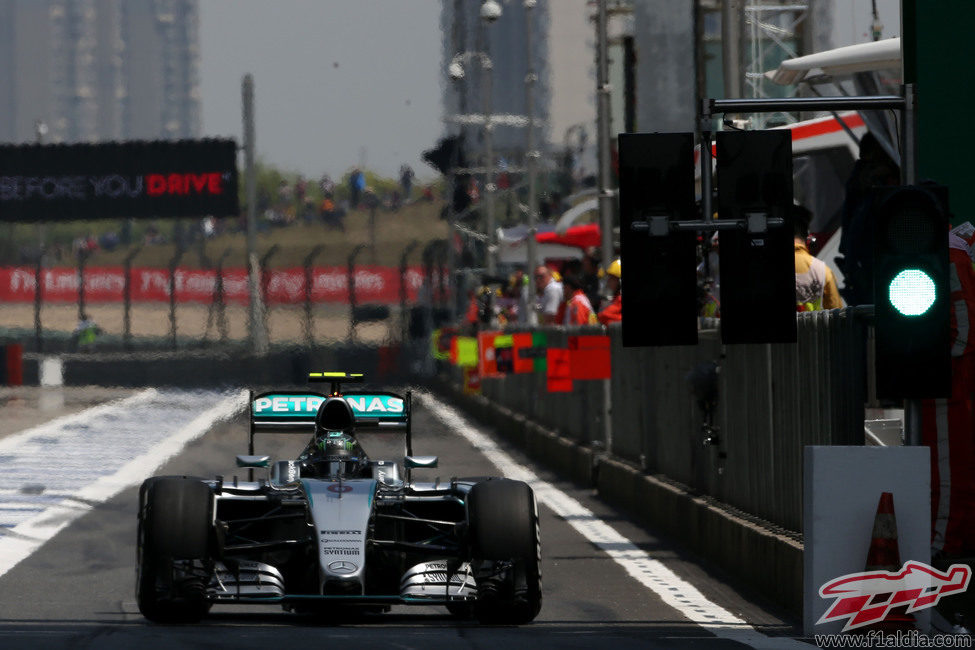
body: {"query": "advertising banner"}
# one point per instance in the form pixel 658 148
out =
pixel 373 284
pixel 63 182
pixel 487 362
pixel 589 357
pixel 558 371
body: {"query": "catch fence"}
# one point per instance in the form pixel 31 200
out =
pixel 137 307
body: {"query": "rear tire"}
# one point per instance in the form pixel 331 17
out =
pixel 505 544
pixel 175 515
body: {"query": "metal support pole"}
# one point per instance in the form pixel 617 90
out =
pixel 912 407
pixel 531 155
pixel 606 194
pixel 732 18
pixel 442 272
pixel 221 302
pixel 40 130
pixel 372 229
pixel 492 247
pixel 796 104
pixel 352 299
pixel 427 293
pixel 909 131
pixel 173 263
pixel 82 260
pixel 705 127
pixel 309 277
pixel 403 296
pixel 264 279
pixel 127 299
pixel 451 237
pixel 258 333
pixel 38 298
pixel 457 44
pixel 608 416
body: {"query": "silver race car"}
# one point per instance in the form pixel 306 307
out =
pixel 335 527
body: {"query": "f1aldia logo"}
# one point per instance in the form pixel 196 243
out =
pixel 867 597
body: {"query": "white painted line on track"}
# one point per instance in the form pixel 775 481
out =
pixel 56 425
pixel 651 573
pixel 113 446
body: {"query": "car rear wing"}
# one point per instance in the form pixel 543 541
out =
pixel 295 411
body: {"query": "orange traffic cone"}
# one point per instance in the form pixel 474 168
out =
pixel 884 555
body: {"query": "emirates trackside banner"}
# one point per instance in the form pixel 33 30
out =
pixel 59 182
pixel 373 284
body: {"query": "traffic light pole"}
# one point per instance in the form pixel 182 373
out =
pixel 711 107
pixel 906 104
pixel 256 328
pixel 606 194
pixel 912 407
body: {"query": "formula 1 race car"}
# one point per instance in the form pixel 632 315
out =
pixel 334 528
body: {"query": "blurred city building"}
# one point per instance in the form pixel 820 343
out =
pixel 504 43
pixel 99 70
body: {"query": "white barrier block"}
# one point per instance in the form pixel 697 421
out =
pixel 841 490
pixel 51 373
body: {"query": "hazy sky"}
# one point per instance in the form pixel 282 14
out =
pixel 335 81
pixel 341 82
pixel 852 20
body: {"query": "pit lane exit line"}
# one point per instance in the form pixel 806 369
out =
pixel 652 574
pixel 54 473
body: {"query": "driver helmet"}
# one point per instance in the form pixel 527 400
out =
pixel 336 445
pixel 335 450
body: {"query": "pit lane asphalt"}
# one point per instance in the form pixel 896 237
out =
pixel 77 591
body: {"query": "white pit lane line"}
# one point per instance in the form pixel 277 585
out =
pixel 651 573
pixel 56 472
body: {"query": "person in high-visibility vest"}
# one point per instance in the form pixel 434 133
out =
pixel 815 284
pixel 578 309
pixel 613 311
pixel 85 333
pixel 948 425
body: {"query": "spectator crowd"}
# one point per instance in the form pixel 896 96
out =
pixel 576 293
pixel 280 202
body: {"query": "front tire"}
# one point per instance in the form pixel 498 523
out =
pixel 505 545
pixel 175 514
pixel 461 610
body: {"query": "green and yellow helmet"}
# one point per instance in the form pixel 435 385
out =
pixel 337 445
pixel 335 450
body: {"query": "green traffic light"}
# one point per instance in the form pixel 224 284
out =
pixel 912 292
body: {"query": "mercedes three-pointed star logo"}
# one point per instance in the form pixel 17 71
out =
pixel 342 566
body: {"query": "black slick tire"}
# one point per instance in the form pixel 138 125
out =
pixel 503 530
pixel 175 515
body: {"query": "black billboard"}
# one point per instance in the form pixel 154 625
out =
pixel 173 178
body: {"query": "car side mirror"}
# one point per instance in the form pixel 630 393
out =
pixel 420 462
pixel 253 461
